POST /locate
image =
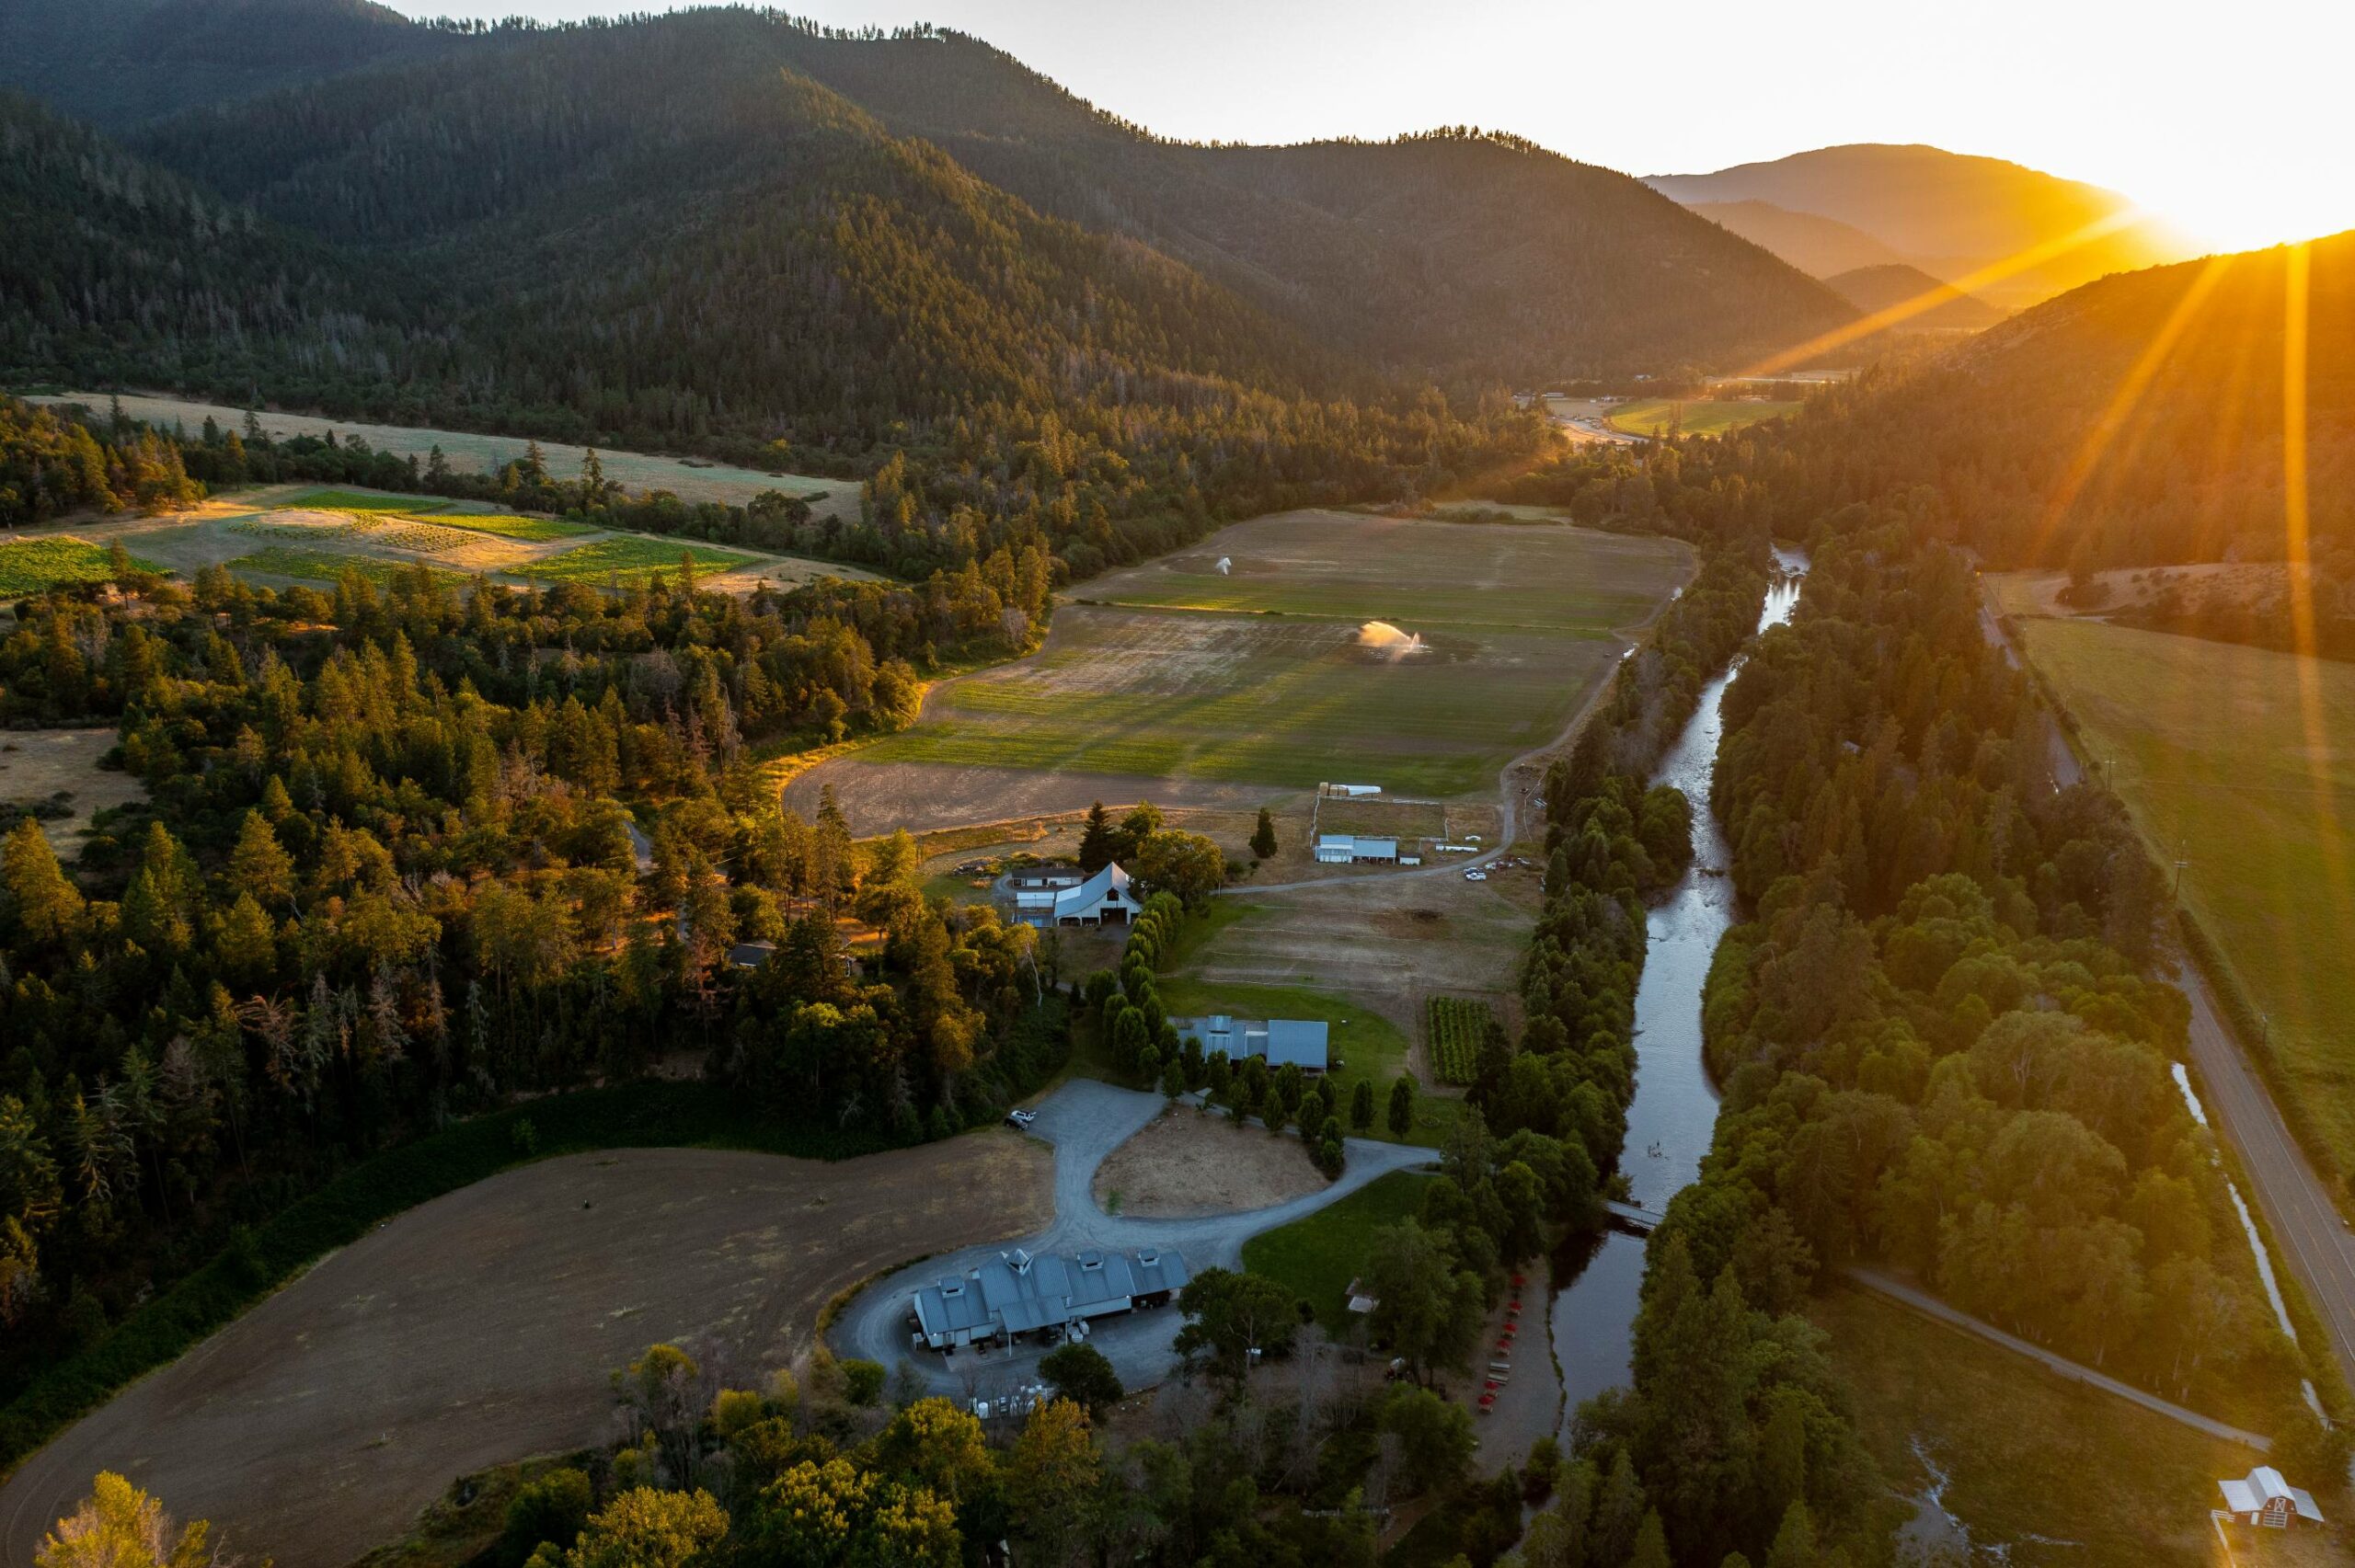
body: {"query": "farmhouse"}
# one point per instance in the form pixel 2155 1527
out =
pixel 2263 1497
pixel 1015 1293
pixel 1065 897
pixel 1343 848
pixel 1304 1043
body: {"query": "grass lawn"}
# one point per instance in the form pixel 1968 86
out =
pixel 1260 675
pixel 1371 1047
pixel 1316 1257
pixel 35 566
pixel 2004 1433
pixel 363 501
pixel 632 557
pixel 1702 416
pixel 515 525
pixel 2213 748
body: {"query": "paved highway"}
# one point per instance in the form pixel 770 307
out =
pixel 2308 1234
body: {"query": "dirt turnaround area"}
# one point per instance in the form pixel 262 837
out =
pixel 481 1327
pixel 1186 1163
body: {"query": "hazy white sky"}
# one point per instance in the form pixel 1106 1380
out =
pixel 2232 119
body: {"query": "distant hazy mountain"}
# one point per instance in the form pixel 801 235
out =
pixel 1949 213
pixel 1820 248
pixel 1872 289
pixel 123 63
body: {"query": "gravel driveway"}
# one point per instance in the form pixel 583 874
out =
pixel 1085 1121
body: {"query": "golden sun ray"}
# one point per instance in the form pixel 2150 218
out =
pixel 2131 388
pixel 1905 309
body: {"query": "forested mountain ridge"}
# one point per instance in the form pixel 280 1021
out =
pixel 122 63
pixel 121 268
pixel 2135 421
pixel 656 234
pixel 1951 213
pixel 1451 253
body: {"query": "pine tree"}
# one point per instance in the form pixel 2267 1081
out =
pixel 1096 841
pixel 1263 837
pixel 1402 1106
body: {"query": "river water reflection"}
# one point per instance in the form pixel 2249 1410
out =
pixel 1675 1107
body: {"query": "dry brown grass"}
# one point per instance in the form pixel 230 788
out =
pixel 481 1326
pixel 1187 1163
pixel 37 764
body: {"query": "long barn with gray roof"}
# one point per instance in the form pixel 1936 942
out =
pixel 1017 1293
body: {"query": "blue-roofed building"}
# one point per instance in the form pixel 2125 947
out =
pixel 1017 1293
pixel 1304 1043
pixel 1297 1042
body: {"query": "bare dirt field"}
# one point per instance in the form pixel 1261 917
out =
pixel 36 764
pixel 876 797
pixel 690 481
pixel 1186 1163
pixel 481 1326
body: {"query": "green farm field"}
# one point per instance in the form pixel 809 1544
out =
pixel 1415 573
pixel 2213 748
pixel 632 558
pixel 32 565
pixel 1515 628
pixel 1702 416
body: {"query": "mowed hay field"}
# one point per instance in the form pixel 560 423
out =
pixel 1173 670
pixel 479 1327
pixel 2213 747
pixel 1701 417
pixel 697 481
pixel 281 534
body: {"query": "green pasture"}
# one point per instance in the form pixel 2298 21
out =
pixel 515 525
pixel 631 557
pixel 1418 574
pixel 36 565
pixel 1315 1258
pixel 1654 415
pixel 363 501
pixel 2243 758
pixel 327 566
pixel 1275 701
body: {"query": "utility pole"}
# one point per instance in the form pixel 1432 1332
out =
pixel 2179 864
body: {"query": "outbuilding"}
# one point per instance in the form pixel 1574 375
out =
pixel 2263 1497
pixel 1343 848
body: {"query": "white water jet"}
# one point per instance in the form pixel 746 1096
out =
pixel 1383 637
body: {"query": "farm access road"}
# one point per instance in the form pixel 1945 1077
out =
pixel 2312 1237
pixel 1085 1121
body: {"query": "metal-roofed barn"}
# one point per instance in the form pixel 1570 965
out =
pixel 1017 1293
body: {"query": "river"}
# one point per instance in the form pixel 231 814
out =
pixel 1675 1108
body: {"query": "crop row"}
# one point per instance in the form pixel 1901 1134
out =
pixel 1458 1025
